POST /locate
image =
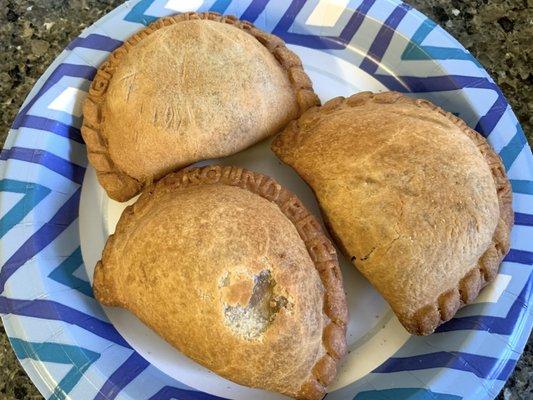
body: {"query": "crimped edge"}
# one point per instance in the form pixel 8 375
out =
pixel 119 185
pixel 426 319
pixel 320 249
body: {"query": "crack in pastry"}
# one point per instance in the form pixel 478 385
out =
pixel 187 88
pixel 231 268
pixel 417 200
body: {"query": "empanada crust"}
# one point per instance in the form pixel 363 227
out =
pixel 230 268
pixel 415 198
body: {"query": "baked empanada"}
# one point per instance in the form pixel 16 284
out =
pixel 415 198
pixel 189 87
pixel 231 269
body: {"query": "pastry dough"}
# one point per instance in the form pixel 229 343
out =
pixel 231 269
pixel 416 199
pixel 187 88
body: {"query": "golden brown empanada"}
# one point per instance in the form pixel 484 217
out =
pixel 418 200
pixel 231 269
pixel 187 88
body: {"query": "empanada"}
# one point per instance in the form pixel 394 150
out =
pixel 231 269
pixel 416 199
pixel 189 87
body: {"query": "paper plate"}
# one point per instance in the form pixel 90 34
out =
pixel 55 217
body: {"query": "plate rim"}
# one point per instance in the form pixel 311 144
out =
pixel 30 367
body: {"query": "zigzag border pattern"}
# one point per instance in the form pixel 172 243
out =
pixel 414 51
pixel 59 353
pixel 64 274
pixel 33 193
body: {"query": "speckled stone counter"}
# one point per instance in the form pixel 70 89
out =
pixel 34 32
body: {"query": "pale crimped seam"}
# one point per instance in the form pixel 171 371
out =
pixel 427 318
pixel 319 247
pixel 109 173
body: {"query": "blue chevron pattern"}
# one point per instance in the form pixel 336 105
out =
pixel 67 214
pixel 316 41
pixel 123 375
pixel 404 394
pixel 483 367
pixel 522 186
pixel 59 353
pixel 54 163
pixel 425 44
pixel 520 257
pixel 511 151
pixel 255 9
pixel 380 44
pixel 221 6
pixel 523 219
pixel 52 310
pixel 33 194
pixel 137 13
pixel 64 274
pixel 96 42
pixel 416 50
pixel 24 119
pixel 499 325
pixel 170 393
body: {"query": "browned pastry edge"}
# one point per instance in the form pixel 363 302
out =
pixel 320 250
pixel 119 185
pixel 427 318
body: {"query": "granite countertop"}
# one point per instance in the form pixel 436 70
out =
pixel 34 32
